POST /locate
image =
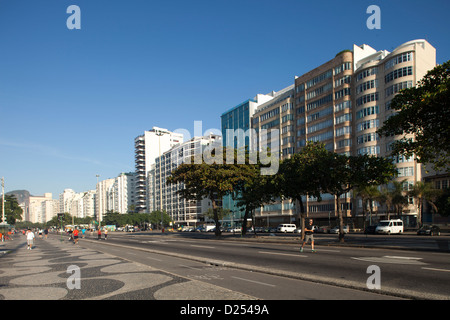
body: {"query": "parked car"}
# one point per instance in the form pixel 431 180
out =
pixel 336 229
pixel 429 230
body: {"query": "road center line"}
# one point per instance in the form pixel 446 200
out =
pixel 283 254
pixel 262 283
pixel 435 269
pixel 197 246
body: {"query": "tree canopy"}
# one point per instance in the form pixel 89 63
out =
pixel 422 120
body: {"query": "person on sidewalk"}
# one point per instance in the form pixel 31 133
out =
pixel 106 233
pixel 30 239
pixel 99 234
pixel 308 236
pixel 75 236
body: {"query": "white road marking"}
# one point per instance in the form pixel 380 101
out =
pixel 435 269
pixel 391 259
pixel 257 282
pixel 283 254
pixel 197 246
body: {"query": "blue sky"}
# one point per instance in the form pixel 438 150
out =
pixel 72 101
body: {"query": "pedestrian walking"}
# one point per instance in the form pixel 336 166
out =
pixel 106 233
pixel 45 233
pixel 75 236
pixel 99 234
pixel 308 236
pixel 30 239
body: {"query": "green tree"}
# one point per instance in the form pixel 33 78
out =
pixel 368 195
pixel 422 119
pixel 300 176
pixel 13 211
pixel 254 192
pixel 341 174
pixel 213 177
pixel 423 192
pixel 154 218
pixel 443 203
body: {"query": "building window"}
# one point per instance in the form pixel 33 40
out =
pixel 367 112
pixel 398 73
pixel 404 57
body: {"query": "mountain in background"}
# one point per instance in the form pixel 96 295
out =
pixel 22 196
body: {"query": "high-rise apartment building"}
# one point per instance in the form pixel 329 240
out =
pixel 236 132
pixel 377 79
pixel 274 126
pixel 165 197
pixel 341 104
pixel 41 208
pixel 121 194
pixel 148 147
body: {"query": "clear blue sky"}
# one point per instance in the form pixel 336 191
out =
pixel 72 101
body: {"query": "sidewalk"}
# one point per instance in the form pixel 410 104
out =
pixel 60 270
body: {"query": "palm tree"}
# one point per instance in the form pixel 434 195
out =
pixel 399 197
pixel 423 192
pixel 368 195
pixel 393 196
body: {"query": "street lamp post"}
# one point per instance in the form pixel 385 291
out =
pixel 159 134
pixel 3 200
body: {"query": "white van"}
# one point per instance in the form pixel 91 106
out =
pixel 389 226
pixel 286 228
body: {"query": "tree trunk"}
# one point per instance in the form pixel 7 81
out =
pixel 244 223
pixel 216 217
pixel 299 207
pixel 341 219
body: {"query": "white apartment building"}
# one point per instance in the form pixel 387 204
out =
pixel 148 147
pixel 79 205
pixel 121 194
pixel 165 197
pixel 377 79
pixel 40 208
pixel 65 200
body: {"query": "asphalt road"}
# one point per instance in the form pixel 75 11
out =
pixel 273 268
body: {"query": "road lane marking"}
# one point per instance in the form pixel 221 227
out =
pixel 257 282
pixel 435 269
pixel 182 265
pixel 207 247
pixel 391 259
pixel 283 254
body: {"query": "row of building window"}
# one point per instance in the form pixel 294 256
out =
pixel 404 57
pixel 367 112
pixel 343 67
pixel 343 118
pixel 368 137
pixel 398 73
pixel 397 87
pixel 371 150
pixel 342 93
pixel 366 86
pixel 367 98
pixel 342 80
pixel 314 93
pixel 319 102
pixel 366 73
pixel 374 123
pixel 319 126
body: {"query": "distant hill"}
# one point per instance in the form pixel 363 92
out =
pixel 22 196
